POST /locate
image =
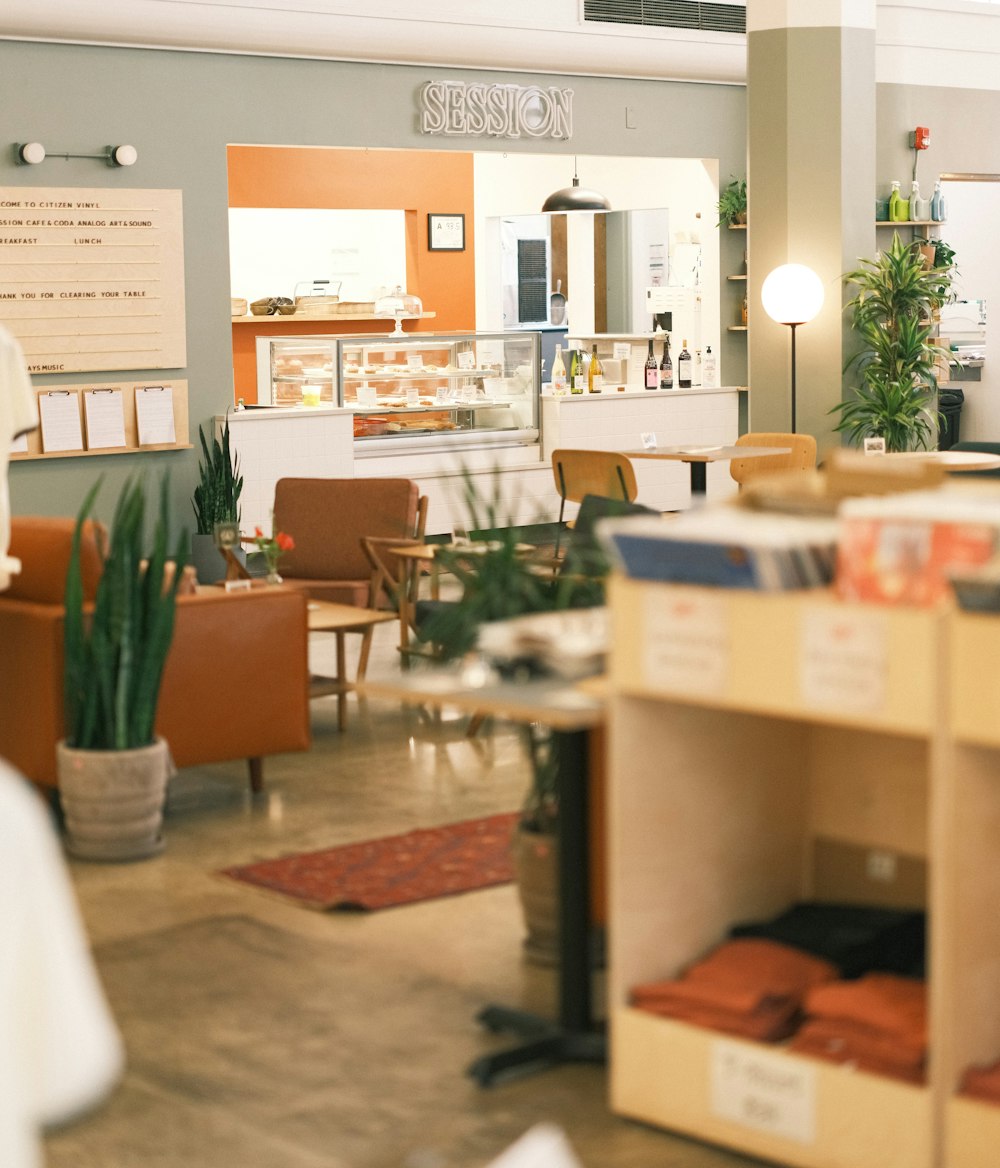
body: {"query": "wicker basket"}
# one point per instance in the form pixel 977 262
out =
pixel 237 307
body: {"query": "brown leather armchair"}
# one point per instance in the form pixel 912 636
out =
pixel 329 518
pixel 235 685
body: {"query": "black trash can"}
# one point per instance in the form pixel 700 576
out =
pixel 950 410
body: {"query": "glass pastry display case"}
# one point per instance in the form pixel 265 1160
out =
pixel 457 388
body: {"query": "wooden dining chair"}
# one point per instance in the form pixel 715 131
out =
pixel 591 472
pixel 801 455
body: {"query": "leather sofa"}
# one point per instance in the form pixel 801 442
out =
pixel 235 684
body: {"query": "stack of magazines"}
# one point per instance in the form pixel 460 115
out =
pixel 727 547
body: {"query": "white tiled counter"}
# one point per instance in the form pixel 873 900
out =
pixel 295 442
pixel 318 442
pixel 678 417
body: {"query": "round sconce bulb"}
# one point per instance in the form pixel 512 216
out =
pixel 31 153
pixel 124 155
pixel 792 294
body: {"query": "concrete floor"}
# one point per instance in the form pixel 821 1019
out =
pixel 264 1035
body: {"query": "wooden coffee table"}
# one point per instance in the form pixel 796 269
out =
pixel 326 617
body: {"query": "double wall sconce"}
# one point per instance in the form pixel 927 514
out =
pixel 32 153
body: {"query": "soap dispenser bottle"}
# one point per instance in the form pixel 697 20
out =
pixel 895 199
pixel 937 204
pixel 920 209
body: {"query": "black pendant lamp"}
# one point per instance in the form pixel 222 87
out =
pixel 576 198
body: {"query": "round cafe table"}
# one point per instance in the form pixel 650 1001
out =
pixel 953 461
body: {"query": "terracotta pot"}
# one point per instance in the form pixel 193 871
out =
pixel 535 862
pixel 113 800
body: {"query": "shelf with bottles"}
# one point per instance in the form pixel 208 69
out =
pixel 737 328
pixel 910 223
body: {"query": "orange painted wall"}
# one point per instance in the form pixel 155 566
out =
pixel 416 181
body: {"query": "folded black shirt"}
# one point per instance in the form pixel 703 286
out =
pixel 856 938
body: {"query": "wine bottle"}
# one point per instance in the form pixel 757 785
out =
pixel 558 373
pixel 595 373
pixel 666 365
pixel 684 367
pixel 576 374
pixel 652 372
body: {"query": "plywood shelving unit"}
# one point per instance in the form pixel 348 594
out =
pixel 753 762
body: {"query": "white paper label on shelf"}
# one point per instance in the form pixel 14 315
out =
pixel 490 354
pixel 687 648
pixel 414 360
pixel 466 359
pixel 764 1091
pixel 621 351
pixel 844 659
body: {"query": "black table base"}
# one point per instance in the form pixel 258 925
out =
pixel 544 1045
pixel 574 1037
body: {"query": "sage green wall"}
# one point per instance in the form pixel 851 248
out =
pixel 811 144
pixel 961 122
pixel 180 110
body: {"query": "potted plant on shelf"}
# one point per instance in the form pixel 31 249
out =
pixel 892 313
pixel 112 769
pixel 732 204
pixel 216 500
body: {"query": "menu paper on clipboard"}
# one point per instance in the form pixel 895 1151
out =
pixel 59 411
pixel 104 412
pixel 154 415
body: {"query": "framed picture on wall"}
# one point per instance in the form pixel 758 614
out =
pixel 445 232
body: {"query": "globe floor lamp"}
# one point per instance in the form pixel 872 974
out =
pixel 792 294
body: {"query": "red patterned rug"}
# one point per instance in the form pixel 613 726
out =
pixel 400 869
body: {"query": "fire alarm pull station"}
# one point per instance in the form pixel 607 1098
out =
pixel 921 138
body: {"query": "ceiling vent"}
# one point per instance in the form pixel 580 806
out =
pixel 707 16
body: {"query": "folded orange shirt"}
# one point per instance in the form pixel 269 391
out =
pixel 982 1083
pixel 749 986
pixel 841 1041
pixel 882 1002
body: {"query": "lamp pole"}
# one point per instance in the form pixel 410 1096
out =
pixel 792 294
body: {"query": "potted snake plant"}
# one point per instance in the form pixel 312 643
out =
pixel 216 501
pixel 112 768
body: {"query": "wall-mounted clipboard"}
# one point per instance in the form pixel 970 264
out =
pixel 162 432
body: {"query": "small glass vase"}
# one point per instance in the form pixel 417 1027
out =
pixel 274 577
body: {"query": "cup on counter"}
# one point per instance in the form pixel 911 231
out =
pixel 310 394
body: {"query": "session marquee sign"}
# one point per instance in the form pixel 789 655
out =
pixel 496 111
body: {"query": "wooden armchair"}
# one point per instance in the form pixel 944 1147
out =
pixel 332 521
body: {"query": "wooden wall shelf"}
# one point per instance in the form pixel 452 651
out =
pixel 179 401
pixel 323 320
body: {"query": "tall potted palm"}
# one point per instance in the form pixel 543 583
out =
pixel 112 768
pixel 892 313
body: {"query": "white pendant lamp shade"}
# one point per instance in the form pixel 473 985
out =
pixel 792 294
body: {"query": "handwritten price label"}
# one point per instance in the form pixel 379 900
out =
pixel 687 648
pixel 764 1091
